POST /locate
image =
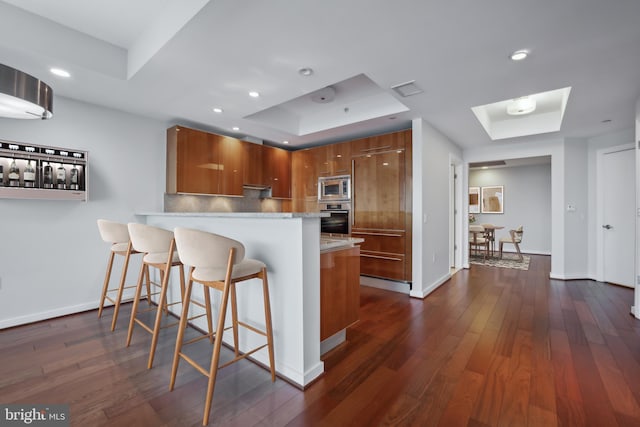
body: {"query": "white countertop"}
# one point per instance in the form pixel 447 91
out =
pixel 239 214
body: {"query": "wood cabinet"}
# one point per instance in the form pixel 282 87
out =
pixel 381 204
pixel 339 290
pixel 203 163
pixel 253 165
pixel 380 169
pixel 304 181
pixel 333 159
pixel 277 171
pixel 200 162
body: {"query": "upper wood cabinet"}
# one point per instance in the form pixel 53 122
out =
pixel 334 159
pixel 304 181
pixel 203 163
pixel 276 166
pixel 253 164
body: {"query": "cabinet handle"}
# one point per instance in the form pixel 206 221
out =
pixel 353 186
pixel 375 148
pixel 381 257
pixel 377 234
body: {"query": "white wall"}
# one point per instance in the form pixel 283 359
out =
pixel 432 154
pixel 527 202
pixel 576 197
pixel 52 259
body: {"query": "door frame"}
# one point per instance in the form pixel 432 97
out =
pixel 456 214
pixel 600 204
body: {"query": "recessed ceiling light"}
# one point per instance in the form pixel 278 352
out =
pixel 519 55
pixel 235 128
pixel 306 71
pixel 60 72
pixel 254 94
pixel 521 106
pixel 285 142
pixel 218 110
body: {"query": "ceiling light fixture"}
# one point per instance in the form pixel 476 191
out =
pixel 285 142
pixel 235 128
pixel 23 96
pixel 519 55
pixel 521 106
pixel 306 71
pixel 217 110
pixel 254 94
pixel 60 72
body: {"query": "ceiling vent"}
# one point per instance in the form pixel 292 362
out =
pixel 324 95
pixel 407 89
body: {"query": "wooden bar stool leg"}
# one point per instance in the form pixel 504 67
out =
pixel 123 280
pixel 213 370
pixel 105 286
pixel 234 319
pixel 162 305
pixel 136 299
pixel 148 283
pixel 207 307
pixel 181 328
pixel 267 320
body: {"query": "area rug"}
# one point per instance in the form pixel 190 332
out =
pixel 508 260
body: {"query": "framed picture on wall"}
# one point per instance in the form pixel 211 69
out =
pixel 493 199
pixel 474 199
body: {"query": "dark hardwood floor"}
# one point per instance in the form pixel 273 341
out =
pixel 491 347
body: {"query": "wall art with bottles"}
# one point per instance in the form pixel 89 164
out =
pixel 29 171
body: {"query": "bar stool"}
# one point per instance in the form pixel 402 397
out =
pixel 158 247
pixel 117 235
pixel 218 262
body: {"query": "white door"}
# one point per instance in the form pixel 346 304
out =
pixel 618 226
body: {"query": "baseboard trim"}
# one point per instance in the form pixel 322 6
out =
pixel 46 315
pixel 422 293
pixel 574 276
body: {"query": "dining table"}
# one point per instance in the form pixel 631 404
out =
pixel 490 233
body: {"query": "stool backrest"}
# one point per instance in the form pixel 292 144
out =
pixel 201 249
pixel 149 239
pixel 113 232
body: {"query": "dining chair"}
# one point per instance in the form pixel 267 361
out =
pixel 515 238
pixel 478 240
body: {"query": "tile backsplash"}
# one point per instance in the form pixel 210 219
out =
pixel 253 201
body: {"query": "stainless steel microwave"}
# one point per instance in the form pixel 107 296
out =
pixel 334 188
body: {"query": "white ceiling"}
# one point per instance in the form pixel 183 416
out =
pixel 174 60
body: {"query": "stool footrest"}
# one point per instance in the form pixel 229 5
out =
pixel 196 339
pixel 251 328
pixel 144 326
pixel 242 356
pixel 193 363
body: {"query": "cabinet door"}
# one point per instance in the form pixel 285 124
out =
pixel 340 158
pixel 304 181
pixel 277 164
pixel 197 162
pixel 339 290
pixel 231 165
pixel 323 165
pixel 253 164
pixel 379 191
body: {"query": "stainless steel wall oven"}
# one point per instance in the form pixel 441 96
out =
pixel 339 221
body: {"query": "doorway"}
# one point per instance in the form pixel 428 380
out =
pixel 616 215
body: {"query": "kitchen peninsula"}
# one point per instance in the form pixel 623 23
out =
pixel 290 245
